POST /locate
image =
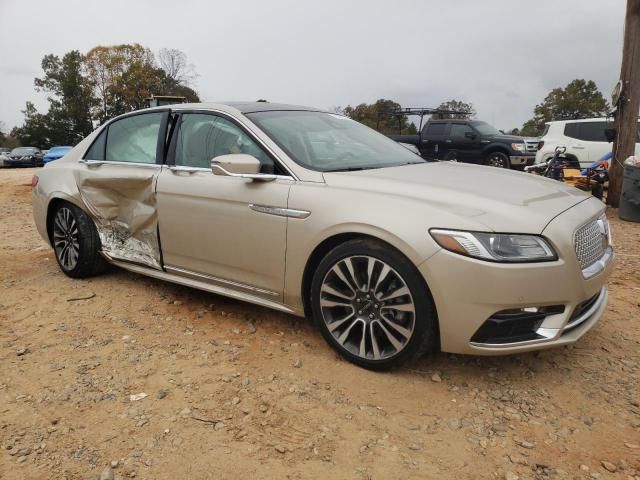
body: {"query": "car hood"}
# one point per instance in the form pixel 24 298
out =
pixel 505 138
pixel 480 196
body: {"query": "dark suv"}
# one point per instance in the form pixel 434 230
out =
pixel 471 141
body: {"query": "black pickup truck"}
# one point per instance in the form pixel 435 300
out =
pixel 471 141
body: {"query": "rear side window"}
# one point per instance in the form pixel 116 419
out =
pixel 134 139
pixel 436 129
pixel 96 152
pixel 546 130
pixel 586 131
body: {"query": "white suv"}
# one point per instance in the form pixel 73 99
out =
pixel 585 140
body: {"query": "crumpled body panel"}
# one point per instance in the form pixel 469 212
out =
pixel 122 202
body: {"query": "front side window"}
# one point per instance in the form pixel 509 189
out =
pixel 134 139
pixel 485 128
pixel 327 142
pixel 202 137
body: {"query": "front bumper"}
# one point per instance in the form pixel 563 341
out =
pixel 519 160
pixel 468 293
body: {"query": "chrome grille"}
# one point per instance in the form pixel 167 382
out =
pixel 532 147
pixel 590 241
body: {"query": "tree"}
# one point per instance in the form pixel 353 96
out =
pixel 70 99
pixel 380 116
pixel 174 63
pixel 35 131
pixel 119 76
pixel 123 76
pixel 580 98
pixel 466 109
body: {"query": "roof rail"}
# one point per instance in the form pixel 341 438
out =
pixel 416 111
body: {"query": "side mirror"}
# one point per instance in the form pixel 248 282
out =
pixel 240 165
pixel 470 135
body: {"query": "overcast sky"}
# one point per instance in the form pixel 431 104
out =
pixel 501 55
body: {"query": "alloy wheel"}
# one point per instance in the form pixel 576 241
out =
pixel 496 160
pixel 65 238
pixel 367 307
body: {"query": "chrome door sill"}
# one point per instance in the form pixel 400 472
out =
pixel 181 279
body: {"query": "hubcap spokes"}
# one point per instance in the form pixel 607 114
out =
pixel 65 238
pixel 367 307
pixel 496 162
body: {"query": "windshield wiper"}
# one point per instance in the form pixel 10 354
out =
pixel 347 169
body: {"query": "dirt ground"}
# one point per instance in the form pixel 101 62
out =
pixel 238 391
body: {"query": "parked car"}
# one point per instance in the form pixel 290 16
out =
pixel 56 153
pixel 24 157
pixel 584 139
pixel 311 213
pixel 471 141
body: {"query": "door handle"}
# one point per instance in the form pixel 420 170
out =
pixel 578 147
pixel 447 141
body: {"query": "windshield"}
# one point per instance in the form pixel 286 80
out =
pixel 485 129
pixel 328 142
pixel 23 150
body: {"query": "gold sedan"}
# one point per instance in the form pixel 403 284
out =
pixel 314 214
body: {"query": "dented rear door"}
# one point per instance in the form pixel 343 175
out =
pixel 117 184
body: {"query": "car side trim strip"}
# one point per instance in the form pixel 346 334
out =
pixel 280 211
pixel 211 278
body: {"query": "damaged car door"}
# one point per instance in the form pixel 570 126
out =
pixel 116 180
pixel 224 230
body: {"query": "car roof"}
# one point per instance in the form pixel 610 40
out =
pixel 580 120
pixel 242 107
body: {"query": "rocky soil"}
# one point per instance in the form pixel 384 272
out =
pixel 122 376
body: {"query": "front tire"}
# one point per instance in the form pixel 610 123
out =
pixel 372 305
pixel 497 159
pixel 76 242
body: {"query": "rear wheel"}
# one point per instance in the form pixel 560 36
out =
pixel 372 305
pixel 76 242
pixel 497 159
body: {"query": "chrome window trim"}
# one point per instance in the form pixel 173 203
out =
pixel 117 162
pixel 181 168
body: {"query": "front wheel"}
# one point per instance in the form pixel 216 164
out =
pixel 497 159
pixel 372 305
pixel 76 242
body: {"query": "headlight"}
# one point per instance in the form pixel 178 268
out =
pixel 519 147
pixel 495 247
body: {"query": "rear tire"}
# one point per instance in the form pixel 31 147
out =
pixel 372 305
pixel 76 242
pixel 497 159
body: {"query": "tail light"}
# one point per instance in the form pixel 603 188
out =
pixel 540 144
pixel 34 181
